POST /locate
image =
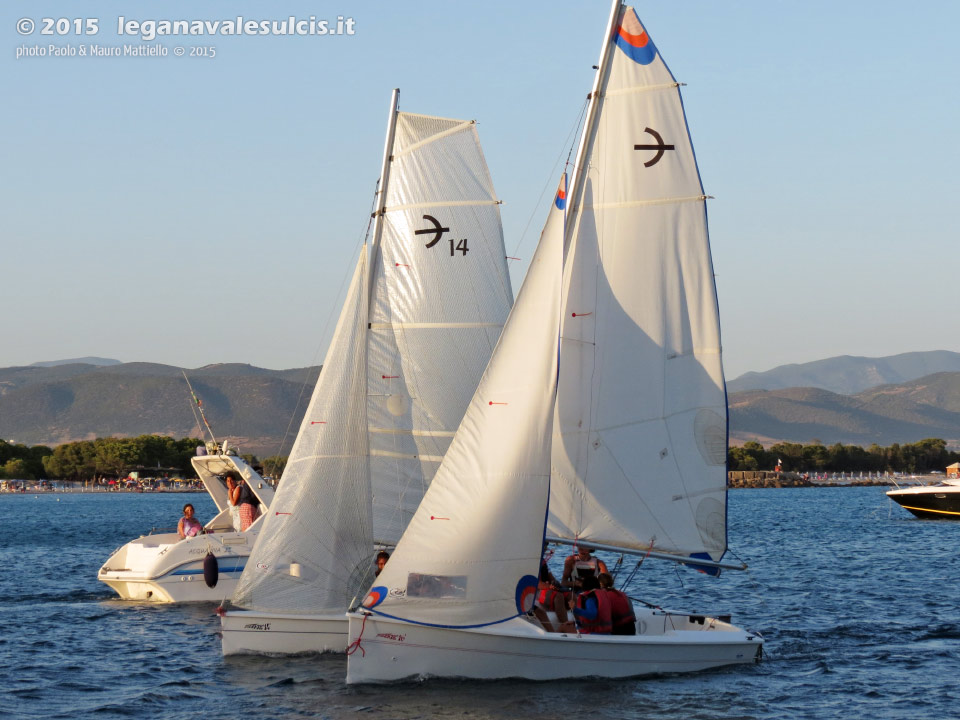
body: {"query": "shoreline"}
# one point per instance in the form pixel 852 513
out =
pixel 752 479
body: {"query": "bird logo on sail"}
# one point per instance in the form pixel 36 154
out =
pixel 633 39
pixel 561 199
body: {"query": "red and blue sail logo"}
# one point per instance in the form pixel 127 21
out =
pixel 633 39
pixel 561 199
pixel 376 596
pixel 526 593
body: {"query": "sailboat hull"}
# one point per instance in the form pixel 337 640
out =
pixel 247 632
pixel 667 643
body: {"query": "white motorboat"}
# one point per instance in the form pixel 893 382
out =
pixel 421 317
pixel 601 419
pixel 161 567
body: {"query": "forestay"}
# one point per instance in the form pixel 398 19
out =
pixel 480 525
pixel 639 449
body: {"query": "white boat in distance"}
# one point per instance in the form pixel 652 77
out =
pixel 601 418
pixel 164 568
pixel 419 322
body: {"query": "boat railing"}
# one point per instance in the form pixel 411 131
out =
pixel 161 531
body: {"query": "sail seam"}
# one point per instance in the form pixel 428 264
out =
pixel 640 203
pixel 443 203
pixel 416 433
pixel 639 89
pixel 628 424
pixel 433 138
pixel 426 325
pixel 405 456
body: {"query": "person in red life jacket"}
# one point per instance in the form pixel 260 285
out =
pixel 591 609
pixel 623 620
pixel 549 598
pixel 580 565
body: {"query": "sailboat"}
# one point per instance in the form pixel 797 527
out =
pixel 601 420
pixel 422 315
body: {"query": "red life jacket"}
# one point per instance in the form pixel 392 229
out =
pixel 601 625
pixel 622 617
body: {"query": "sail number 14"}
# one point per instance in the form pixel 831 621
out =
pixel 438 231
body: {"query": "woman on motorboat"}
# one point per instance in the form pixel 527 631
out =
pixel 188 525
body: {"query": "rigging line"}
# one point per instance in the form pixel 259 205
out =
pixel 196 417
pixel 199 406
pixel 574 131
pixel 333 308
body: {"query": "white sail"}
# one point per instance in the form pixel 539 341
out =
pixel 313 553
pixel 441 295
pixel 480 526
pixel 639 450
pixel 413 338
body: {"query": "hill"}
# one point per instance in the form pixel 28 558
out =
pixel 848 374
pixel 75 361
pixel 253 407
pixel 900 413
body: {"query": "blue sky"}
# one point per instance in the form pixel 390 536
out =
pixel 199 210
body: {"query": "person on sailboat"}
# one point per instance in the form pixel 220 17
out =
pixel 580 565
pixel 623 620
pixel 550 598
pixel 382 558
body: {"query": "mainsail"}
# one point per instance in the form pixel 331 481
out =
pixel 415 333
pixel 639 449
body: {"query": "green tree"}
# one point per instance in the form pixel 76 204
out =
pixel 16 469
pixel 274 465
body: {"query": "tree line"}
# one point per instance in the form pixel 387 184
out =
pixel 115 457
pixel 919 457
pixel 110 457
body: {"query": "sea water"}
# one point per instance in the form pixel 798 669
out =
pixel 857 600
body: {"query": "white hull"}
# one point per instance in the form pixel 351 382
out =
pixel 519 648
pixel 165 569
pixel 248 632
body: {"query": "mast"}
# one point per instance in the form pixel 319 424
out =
pixel 382 190
pixel 586 137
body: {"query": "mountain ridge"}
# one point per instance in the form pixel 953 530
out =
pixel 850 374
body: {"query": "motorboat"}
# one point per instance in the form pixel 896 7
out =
pixel 940 501
pixel 163 568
